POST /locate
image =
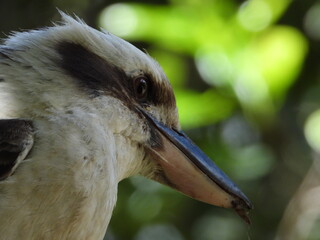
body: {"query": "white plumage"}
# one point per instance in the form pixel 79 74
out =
pixel 84 138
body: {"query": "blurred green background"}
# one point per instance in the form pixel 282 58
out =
pixel 246 77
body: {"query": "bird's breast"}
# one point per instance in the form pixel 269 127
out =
pixel 65 189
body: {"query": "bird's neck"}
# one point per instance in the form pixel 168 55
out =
pixel 66 189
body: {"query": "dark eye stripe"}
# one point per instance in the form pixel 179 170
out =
pixel 98 76
pixel 92 72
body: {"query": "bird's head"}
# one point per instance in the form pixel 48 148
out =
pixel 133 97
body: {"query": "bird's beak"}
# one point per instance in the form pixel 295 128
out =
pixel 186 168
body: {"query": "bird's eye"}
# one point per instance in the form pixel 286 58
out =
pixel 141 88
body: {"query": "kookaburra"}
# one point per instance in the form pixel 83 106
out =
pixel 80 110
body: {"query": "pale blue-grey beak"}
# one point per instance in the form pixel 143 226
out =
pixel 190 171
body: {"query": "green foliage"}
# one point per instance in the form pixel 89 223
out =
pixel 231 65
pixel 236 50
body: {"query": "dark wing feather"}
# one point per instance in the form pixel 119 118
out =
pixel 16 140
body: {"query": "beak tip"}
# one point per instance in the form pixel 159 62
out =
pixel 244 215
pixel 242 208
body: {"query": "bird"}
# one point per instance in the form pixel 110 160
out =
pixel 80 110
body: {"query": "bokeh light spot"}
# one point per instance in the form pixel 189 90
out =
pixel 145 185
pixel 255 15
pixel 214 67
pixel 312 22
pixel 120 19
pixel 159 232
pixel 143 207
pixel 208 226
pixel 312 130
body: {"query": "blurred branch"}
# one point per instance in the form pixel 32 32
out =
pixel 303 210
